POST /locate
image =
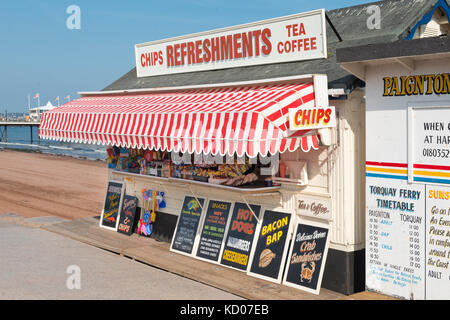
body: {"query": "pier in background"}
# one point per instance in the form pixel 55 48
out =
pixel 5 124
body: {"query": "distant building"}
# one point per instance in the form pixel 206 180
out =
pixel 34 114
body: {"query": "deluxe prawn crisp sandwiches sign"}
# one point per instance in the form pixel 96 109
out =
pixel 291 38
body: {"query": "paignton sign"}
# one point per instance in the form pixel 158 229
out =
pixel 291 38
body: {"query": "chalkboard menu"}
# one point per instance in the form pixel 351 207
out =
pixel 239 239
pixel 187 225
pixel 269 254
pixel 213 230
pixel 307 257
pixel 110 214
pixel 127 214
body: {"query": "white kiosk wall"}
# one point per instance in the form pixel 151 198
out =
pixel 408 179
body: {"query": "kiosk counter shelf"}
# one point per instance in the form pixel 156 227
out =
pixel 160 164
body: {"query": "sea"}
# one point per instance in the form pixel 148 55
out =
pixel 19 139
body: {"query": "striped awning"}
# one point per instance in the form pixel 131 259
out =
pixel 238 120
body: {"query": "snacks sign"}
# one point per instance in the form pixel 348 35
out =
pixel 312 118
pixel 213 230
pixel 270 252
pixel 291 38
pixel 187 225
pixel 241 233
pixel 307 257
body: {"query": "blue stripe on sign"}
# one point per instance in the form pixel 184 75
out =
pixel 387 176
pixel 432 180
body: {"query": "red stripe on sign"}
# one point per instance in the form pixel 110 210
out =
pixel 430 166
pixel 387 164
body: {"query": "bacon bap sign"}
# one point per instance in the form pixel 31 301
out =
pixel 290 38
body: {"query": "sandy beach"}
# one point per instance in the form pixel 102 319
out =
pixel 34 184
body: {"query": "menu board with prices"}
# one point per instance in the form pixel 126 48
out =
pixel 187 225
pixel 213 231
pixel 438 242
pixel 395 238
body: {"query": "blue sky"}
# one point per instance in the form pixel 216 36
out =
pixel 39 54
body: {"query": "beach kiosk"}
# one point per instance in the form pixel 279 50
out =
pixel 253 139
pixel 407 165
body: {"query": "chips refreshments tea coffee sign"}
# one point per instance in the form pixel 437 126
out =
pixel 307 256
pixel 111 205
pixel 213 230
pixel 291 38
pixel 187 225
pixel 239 239
pixel 269 254
pixel 127 214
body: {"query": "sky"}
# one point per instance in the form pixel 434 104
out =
pixel 40 54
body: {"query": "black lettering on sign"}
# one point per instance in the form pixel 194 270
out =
pixel 267 259
pixel 111 205
pixel 127 215
pixel 187 225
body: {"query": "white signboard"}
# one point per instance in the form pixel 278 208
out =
pixel 291 38
pixel 314 207
pixel 438 243
pixel 395 238
pixel 312 118
pixel 429 145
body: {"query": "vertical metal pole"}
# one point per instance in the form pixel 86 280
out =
pixel 6 133
pixel 31 134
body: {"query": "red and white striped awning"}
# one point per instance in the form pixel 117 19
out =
pixel 239 120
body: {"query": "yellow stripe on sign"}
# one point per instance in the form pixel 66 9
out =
pixel 399 171
pixel 432 173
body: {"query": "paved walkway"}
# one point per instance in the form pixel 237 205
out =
pixel 38 265
pixel 157 254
